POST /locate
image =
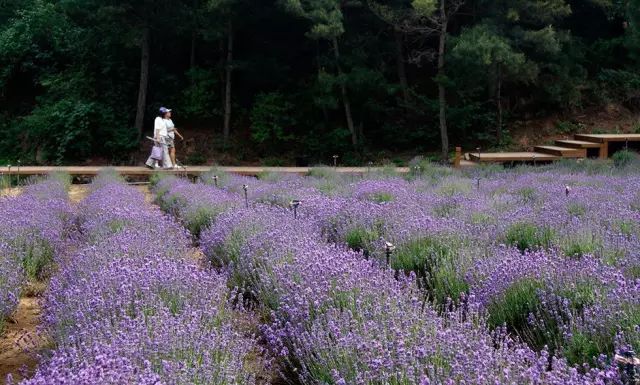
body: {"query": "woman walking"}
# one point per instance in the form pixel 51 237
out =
pixel 161 138
pixel 172 132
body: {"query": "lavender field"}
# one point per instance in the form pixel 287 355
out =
pixel 523 276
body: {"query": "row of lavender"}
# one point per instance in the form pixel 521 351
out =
pixel 553 255
pixel 336 317
pixel 33 229
pixel 132 306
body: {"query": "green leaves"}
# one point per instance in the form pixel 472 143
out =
pixel 483 46
pixel 424 7
pixel 325 16
pixel 271 119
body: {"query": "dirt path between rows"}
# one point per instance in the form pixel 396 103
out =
pixel 21 340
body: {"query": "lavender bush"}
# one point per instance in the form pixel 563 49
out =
pixel 335 317
pixel 33 231
pixel 132 305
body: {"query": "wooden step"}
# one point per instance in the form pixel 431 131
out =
pixel 576 143
pixel 504 157
pixel 564 152
pixel 604 138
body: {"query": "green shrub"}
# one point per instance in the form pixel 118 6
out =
pixel 202 217
pixel 361 239
pixel 527 194
pixel 576 209
pixel 273 161
pixel 436 261
pixel 421 168
pixel 624 158
pixel 480 218
pixel 196 159
pixel 527 236
pixel 581 244
pixel 626 227
pixel 587 346
pixel 582 348
pixel 514 307
pixel 37 259
pixel 567 128
pixel 453 186
pixel 199 97
pixel 272 120
pixel 381 197
pixel 207 178
pixel 446 208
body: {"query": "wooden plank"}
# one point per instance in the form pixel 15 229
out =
pixel 564 152
pixel 467 163
pixel 604 150
pixel 576 143
pixel 501 157
pixel 601 138
pixel 194 170
pixel 458 157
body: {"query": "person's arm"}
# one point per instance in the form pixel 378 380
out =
pixel 178 133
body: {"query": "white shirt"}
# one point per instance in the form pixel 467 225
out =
pixel 160 127
pixel 170 128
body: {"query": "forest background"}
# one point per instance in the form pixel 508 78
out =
pixel 295 81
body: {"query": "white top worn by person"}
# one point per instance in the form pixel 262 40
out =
pixel 170 127
pixel 160 128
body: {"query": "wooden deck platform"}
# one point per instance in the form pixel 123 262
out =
pixel 194 170
pixel 563 152
pixel 605 139
pixel 581 146
pixel 601 138
pixel 505 157
pixel 577 143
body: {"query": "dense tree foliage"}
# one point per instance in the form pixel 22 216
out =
pixel 308 78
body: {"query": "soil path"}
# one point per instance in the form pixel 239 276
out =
pixel 10 192
pixel 20 340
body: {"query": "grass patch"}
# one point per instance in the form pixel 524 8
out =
pixel 576 210
pixel 527 194
pixel 527 236
pixel 581 244
pixel 514 307
pixel 436 262
pixel 446 209
pixel 624 158
pixel 381 197
pixel 361 239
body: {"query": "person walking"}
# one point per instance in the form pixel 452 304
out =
pixel 172 131
pixel 161 138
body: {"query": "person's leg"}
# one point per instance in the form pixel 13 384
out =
pixel 166 159
pixel 172 151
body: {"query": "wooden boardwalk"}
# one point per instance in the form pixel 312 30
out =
pixel 578 147
pixel 193 171
pixel 504 157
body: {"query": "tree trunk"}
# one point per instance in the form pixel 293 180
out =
pixel 345 97
pixel 192 56
pixel 227 90
pixel 194 35
pixel 499 103
pixel 144 82
pixel 400 63
pixel 442 95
